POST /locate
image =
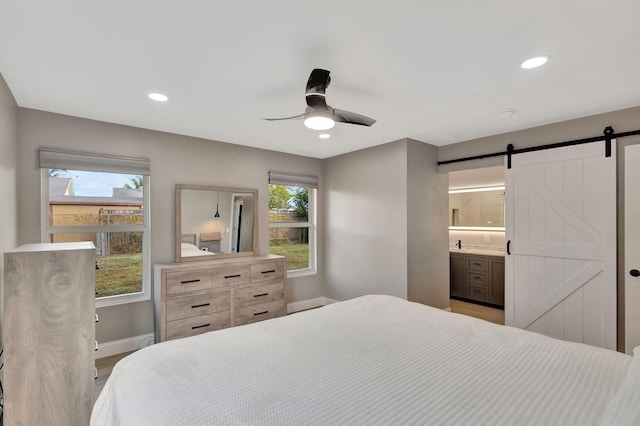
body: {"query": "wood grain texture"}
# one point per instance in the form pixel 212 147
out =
pixel 197 325
pixel 201 303
pixel 477 277
pixel 256 295
pixel 255 313
pixel 223 293
pixel 48 334
pixel 478 311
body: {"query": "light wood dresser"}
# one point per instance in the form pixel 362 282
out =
pixel 196 297
pixel 48 334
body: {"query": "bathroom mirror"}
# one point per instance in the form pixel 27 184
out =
pixel 477 208
pixel 215 222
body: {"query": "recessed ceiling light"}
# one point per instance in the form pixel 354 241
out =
pixel 158 97
pixel 324 135
pixel 534 62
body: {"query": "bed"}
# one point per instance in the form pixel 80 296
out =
pixel 371 360
pixel 190 250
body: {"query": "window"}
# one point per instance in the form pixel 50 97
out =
pixel 103 200
pixel 292 220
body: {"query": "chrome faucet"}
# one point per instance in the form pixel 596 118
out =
pixel 459 244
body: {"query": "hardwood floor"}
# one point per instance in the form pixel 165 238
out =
pixel 479 311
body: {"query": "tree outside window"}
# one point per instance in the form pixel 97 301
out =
pixel 290 225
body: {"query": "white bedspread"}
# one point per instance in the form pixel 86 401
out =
pixel 189 250
pixel 370 360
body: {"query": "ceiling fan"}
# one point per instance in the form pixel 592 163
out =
pixel 320 116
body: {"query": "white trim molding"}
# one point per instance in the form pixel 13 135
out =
pixel 125 345
pixel 308 304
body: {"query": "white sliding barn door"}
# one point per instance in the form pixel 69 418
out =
pixel 631 246
pixel 561 225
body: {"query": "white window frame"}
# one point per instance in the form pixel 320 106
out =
pixel 309 182
pixel 145 228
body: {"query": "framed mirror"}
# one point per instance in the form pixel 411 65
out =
pixel 480 209
pixel 215 222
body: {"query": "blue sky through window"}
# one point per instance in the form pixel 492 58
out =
pixel 96 184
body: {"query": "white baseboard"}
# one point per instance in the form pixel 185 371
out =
pixel 125 345
pixel 308 304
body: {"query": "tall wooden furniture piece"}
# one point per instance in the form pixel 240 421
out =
pixel 477 277
pixel 48 334
pixel 192 298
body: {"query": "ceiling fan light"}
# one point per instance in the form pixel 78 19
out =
pixel 319 122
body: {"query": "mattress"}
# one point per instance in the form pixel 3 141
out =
pixel 370 360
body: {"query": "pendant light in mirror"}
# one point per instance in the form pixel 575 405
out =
pixel 217 215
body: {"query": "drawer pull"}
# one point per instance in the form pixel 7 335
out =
pixel 96 345
pixel 95 373
pixel 269 271
pixel 260 313
pixel 477 263
pixel 189 281
pixel 261 294
pixel 200 306
pixel 200 326
pixel 475 291
pixel 232 276
pixel 475 277
pixel 96 318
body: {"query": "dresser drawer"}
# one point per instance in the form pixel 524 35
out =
pixel 249 296
pixel 197 304
pixel 477 279
pixel 477 264
pixel 265 271
pixel 232 275
pixel 477 293
pixel 259 312
pixel 182 282
pixel 197 325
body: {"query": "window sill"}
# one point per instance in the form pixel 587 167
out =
pixel 103 302
pixel 301 273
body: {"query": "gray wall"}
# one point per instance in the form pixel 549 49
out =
pixel 621 121
pixel 427 236
pixel 386 224
pixel 8 165
pixel 365 214
pixel 174 159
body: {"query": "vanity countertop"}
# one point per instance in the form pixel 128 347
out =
pixel 477 251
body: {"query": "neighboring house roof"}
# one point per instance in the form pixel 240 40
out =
pixel 103 201
pixel 61 192
pixel 60 187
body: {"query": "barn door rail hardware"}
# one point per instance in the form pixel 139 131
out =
pixel 608 136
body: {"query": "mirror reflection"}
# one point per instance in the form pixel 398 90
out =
pixel 214 222
pixel 477 208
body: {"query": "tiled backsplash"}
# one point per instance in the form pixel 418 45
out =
pixel 479 240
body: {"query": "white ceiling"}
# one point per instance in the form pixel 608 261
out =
pixel 436 71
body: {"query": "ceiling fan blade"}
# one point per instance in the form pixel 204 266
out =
pixel 316 86
pixel 295 117
pixel 318 81
pixel 352 118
